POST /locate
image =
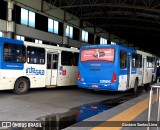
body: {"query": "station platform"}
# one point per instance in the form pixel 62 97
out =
pixel 131 115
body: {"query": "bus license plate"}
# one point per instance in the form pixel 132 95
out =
pixel 94 85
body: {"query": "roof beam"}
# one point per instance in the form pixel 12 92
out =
pixel 115 5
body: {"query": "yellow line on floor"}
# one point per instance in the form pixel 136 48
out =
pixel 126 116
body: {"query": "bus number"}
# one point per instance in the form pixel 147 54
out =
pixel 105 81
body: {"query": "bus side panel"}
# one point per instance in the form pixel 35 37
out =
pixel 122 78
pixel 67 75
pixel 148 76
pixel 36 73
pixel 128 75
pixel 145 72
pixel 8 71
pixel 122 73
pixel 140 76
pixel 122 82
pixel 149 67
pixel 8 78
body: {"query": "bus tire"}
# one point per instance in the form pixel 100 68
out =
pixel 21 86
pixel 135 86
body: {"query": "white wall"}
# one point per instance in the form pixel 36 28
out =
pixel 3 25
pixel 36 4
pixel 75 43
pixel 33 33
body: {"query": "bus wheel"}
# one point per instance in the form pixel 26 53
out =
pixel 21 86
pixel 135 86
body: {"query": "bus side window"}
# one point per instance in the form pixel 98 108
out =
pixel 35 55
pixel 14 53
pixel 123 58
pixel 75 59
pixel 55 61
pixel 66 58
pixel 48 61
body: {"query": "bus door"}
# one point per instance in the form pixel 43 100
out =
pixel 129 71
pixel 144 74
pixel 52 69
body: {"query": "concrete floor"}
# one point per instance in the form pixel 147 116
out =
pixel 42 102
pixel 93 122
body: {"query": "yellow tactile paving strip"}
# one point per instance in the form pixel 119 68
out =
pixel 126 116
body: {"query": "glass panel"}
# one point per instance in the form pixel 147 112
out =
pixel 49 61
pixel 24 16
pixel 50 25
pixel 55 61
pixel 40 41
pixel 18 37
pixel 71 32
pixel 113 42
pixel 75 59
pixel 67 58
pixel 36 55
pixel 1 34
pixel 83 35
pixel 133 60
pixel 31 19
pixel 86 37
pixel 14 53
pixel 22 38
pixel 36 41
pixel 103 41
pixel 55 27
pixel 123 58
pixel 67 31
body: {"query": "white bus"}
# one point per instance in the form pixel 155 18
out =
pixel 149 67
pixel 25 65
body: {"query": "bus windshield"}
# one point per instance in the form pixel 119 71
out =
pixel 98 54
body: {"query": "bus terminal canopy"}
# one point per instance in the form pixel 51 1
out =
pixel 135 21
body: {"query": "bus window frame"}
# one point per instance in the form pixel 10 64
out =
pixel 120 59
pixel 34 54
pixel 70 63
pixel 137 60
pixel 13 45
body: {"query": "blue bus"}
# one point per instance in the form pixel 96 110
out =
pixel 114 67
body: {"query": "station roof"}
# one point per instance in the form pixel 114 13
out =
pixel 135 21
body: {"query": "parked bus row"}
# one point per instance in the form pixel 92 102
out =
pixel 25 65
pixel 115 68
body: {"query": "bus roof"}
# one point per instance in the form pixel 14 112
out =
pixel 13 41
pixel 50 47
pixel 8 40
pixel 107 45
